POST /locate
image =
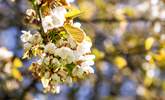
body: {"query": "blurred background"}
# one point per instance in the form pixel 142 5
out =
pixel 128 41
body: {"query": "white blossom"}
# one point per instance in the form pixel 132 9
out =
pixel 84 47
pixel 47 23
pixel 87 63
pixel 70 58
pixel 50 48
pixel 71 42
pixel 41 60
pixel 88 69
pixel 58 61
pixel 55 77
pixel 77 71
pixel 60 43
pixel 63 52
pixel 26 36
pixel 27 46
pixel 62 73
pixel 45 79
pixel 87 57
pixel 30 12
pixel 56 89
pixel 47 60
pixel 55 19
pixel 59 13
pixel 86 66
pixel 69 80
pixel 55 62
pixel 36 39
pixel 47 74
pixel 45 82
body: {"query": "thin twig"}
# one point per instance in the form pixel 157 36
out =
pixel 38 11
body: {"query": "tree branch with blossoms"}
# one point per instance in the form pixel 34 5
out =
pixel 60 46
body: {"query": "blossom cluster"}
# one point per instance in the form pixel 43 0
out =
pixel 61 58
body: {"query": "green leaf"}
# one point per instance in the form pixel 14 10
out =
pixel 54 36
pixel 70 67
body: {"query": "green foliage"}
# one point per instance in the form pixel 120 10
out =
pixel 70 67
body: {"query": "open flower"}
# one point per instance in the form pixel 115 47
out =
pixel 50 48
pixel 63 52
pixel 47 60
pixel 88 69
pixel 55 77
pixel 26 36
pixel 55 19
pixel 84 47
pixel 30 12
pixel 56 89
pixel 77 71
pixel 36 39
pixel 27 46
pixel 86 57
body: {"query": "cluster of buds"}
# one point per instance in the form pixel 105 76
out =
pixel 61 47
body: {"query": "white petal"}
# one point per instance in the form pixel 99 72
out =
pixel 30 12
pixel 59 11
pixel 64 52
pixel 47 23
pixel 88 69
pixel 50 48
pixel 57 89
pixel 87 57
pixel 25 37
pixel 47 60
pixel 27 46
pixel 55 77
pixel 77 24
pixel 45 82
pixel 84 47
pixel 69 80
pixel 87 63
pixel 55 19
pixel 77 71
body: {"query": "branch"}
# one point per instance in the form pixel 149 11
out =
pixel 38 12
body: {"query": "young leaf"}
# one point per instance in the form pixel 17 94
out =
pixel 76 33
pixel 72 13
